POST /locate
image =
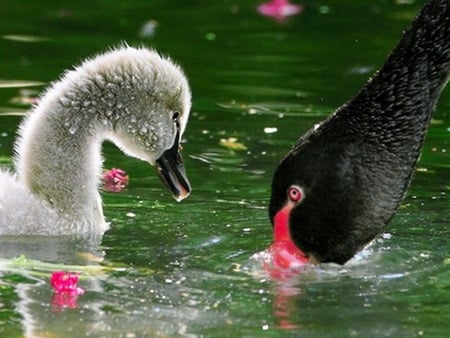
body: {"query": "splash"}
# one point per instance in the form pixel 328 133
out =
pixel 280 260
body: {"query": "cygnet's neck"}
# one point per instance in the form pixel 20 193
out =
pixel 59 151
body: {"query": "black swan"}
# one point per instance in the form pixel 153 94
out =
pixel 344 179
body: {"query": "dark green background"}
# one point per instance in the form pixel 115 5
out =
pixel 186 266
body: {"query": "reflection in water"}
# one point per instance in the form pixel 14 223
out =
pixel 37 304
pixel 290 287
pixel 63 300
pixel 283 304
pixel 329 295
pixel 285 282
pixel 118 301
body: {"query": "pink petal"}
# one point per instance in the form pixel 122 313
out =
pixel 115 180
pixel 279 9
pixel 62 281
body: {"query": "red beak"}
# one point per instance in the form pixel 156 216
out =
pixel 285 253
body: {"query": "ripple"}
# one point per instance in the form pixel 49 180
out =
pixel 280 109
pixel 24 38
pixel 20 83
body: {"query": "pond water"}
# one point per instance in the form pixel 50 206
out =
pixel 168 269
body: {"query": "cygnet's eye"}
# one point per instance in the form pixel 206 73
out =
pixel 175 116
pixel 295 193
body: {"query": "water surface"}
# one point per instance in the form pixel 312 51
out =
pixel 185 269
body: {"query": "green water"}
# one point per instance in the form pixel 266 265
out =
pixel 185 269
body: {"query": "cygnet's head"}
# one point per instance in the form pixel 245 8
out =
pixel 148 104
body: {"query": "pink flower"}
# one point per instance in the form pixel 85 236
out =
pixel 62 281
pixel 65 289
pixel 115 180
pixel 279 9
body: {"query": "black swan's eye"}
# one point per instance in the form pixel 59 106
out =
pixel 295 193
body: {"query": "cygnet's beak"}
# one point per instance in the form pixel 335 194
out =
pixel 170 168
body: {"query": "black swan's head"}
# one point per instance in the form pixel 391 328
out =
pixel 336 199
pixel 352 171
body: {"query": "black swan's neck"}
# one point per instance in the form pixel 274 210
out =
pixel 404 93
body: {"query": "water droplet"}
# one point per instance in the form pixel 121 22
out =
pixel 270 130
pixel 324 9
pixel 73 129
pixel 148 29
pixel 64 101
pixel 99 79
pixel 210 36
pixel 386 235
pixel 117 79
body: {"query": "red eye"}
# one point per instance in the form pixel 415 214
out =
pixel 295 193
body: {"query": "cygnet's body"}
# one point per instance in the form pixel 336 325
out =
pixel 133 97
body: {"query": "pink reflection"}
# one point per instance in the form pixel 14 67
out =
pixel 279 9
pixel 283 262
pixel 284 305
pixel 64 300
